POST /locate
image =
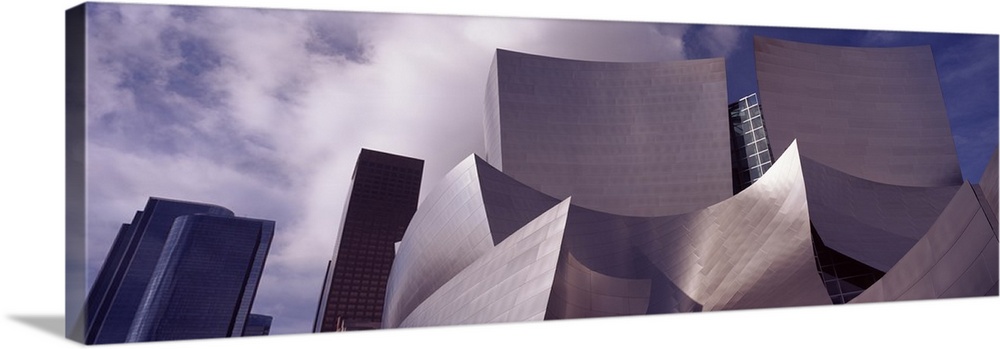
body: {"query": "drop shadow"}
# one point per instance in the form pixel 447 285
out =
pixel 52 324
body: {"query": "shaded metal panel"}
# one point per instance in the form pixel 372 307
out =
pixel 491 121
pixel 607 250
pixel 988 184
pixel 579 292
pixel 512 282
pixel 638 139
pixel 873 223
pixel 509 204
pixel 988 181
pixel 874 113
pixel 956 258
pixel 448 232
pixel 751 251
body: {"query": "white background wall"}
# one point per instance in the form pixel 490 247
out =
pixel 32 207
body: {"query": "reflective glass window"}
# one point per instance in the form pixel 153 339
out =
pixel 744 176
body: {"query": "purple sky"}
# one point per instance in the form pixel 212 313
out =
pixel 264 111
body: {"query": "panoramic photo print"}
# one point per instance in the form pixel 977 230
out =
pixel 238 172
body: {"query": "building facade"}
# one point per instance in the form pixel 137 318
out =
pixel 751 152
pixel 602 131
pixel 179 270
pixel 383 197
pixel 258 325
pixel 874 113
pixel 834 213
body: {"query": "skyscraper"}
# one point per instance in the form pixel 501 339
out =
pixel 178 270
pixel 382 199
pixel 257 325
pixel 206 279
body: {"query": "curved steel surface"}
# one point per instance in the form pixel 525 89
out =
pixel 448 232
pixel 873 223
pixel 751 251
pixel 511 282
pixel 874 113
pixel 637 139
pixel 988 186
pixel 956 258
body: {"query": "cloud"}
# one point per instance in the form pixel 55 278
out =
pixel 712 41
pixel 265 111
pixel 881 38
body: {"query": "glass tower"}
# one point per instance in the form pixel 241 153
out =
pixel 751 151
pixel 171 240
pixel 257 325
pixel 206 279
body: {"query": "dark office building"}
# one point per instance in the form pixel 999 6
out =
pixel 178 270
pixel 382 201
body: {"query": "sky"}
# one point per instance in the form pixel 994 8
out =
pixel 265 111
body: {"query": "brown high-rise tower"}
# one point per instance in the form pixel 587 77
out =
pixel 382 201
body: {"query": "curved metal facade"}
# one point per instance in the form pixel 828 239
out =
pixel 874 113
pixel 873 223
pixel 511 282
pixel 594 213
pixel 637 139
pixel 956 258
pixel 753 250
pixel 448 232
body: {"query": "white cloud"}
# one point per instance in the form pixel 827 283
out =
pixel 295 95
pixel 721 40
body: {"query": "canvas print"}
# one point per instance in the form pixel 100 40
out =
pixel 244 172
